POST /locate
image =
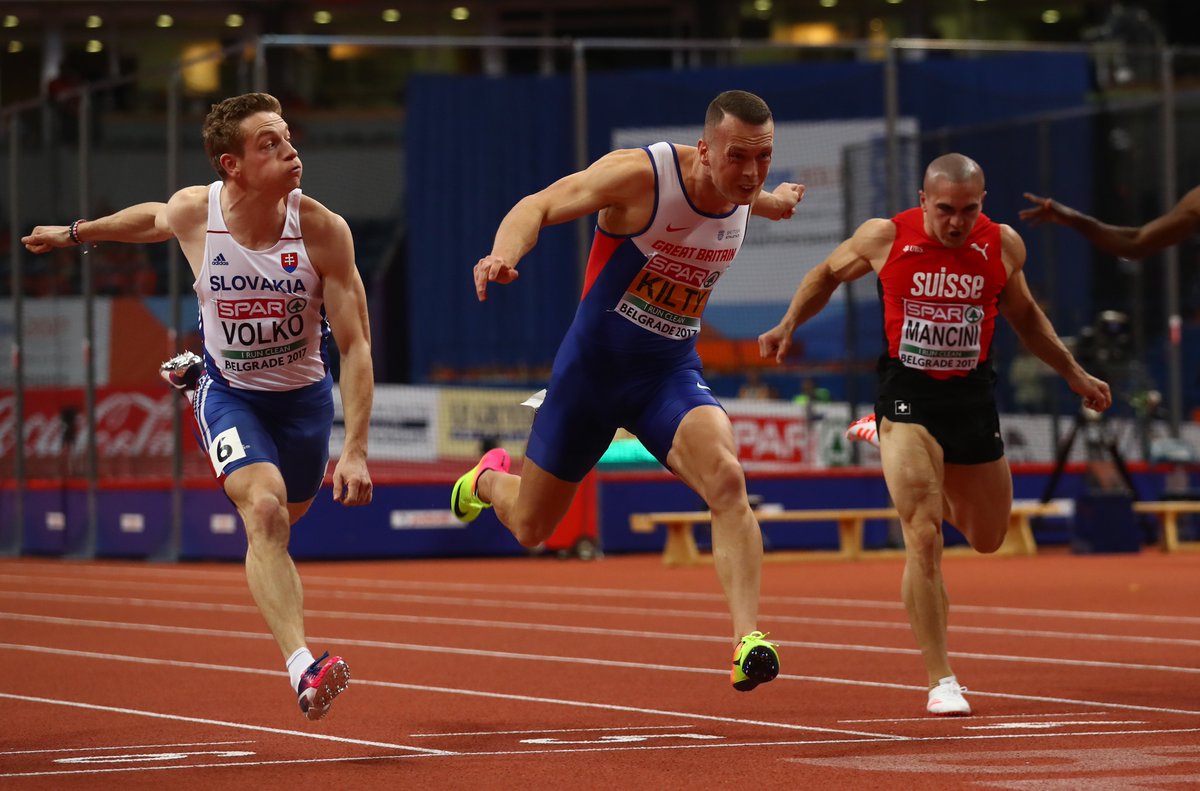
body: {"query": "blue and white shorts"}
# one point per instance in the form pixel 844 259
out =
pixel 590 396
pixel 289 429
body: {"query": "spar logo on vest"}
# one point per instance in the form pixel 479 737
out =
pixel 941 336
pixel 289 261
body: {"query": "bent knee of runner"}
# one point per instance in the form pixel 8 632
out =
pixel 267 520
pixel 724 485
pixel 532 531
pixel 987 546
pixel 923 543
pixel 986 541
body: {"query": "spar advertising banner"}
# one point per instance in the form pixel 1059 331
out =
pixel 783 435
pixel 773 433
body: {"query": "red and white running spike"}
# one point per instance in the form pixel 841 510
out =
pixel 864 430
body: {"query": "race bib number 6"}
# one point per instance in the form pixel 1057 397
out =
pixel 225 448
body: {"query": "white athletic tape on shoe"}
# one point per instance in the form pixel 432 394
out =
pixel 534 401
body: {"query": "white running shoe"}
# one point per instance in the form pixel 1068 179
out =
pixel 946 699
pixel 864 430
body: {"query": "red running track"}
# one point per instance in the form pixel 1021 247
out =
pixel 541 673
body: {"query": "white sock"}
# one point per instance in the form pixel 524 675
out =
pixel 297 663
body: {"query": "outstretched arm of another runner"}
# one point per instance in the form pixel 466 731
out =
pixel 850 260
pixel 1036 332
pixel 1127 242
pixel 614 182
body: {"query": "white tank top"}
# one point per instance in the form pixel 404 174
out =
pixel 686 251
pixel 262 312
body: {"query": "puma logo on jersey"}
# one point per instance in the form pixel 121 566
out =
pixel 982 250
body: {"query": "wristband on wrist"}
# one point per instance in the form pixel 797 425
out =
pixel 73 231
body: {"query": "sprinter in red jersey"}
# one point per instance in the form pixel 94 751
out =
pixel 945 270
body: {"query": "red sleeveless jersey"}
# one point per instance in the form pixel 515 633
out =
pixel 939 303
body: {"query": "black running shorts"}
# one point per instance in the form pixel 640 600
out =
pixel 968 434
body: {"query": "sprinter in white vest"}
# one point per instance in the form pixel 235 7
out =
pixel 274 271
pixel 670 220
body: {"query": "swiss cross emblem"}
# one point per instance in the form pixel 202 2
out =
pixel 289 261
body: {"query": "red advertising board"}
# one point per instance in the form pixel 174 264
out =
pixel 133 433
pixel 775 438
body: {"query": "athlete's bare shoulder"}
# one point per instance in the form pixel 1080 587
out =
pixel 1012 249
pixel 327 237
pixel 873 239
pixel 624 172
pixel 187 212
pixel 877 228
pixel 186 217
pixel 620 185
pixel 315 216
pixel 189 204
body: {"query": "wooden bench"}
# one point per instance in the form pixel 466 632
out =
pixel 1168 512
pixel 680 547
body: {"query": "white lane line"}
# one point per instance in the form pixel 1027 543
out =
pixel 636 709
pixel 1047 725
pixel 225 765
pixel 608 749
pixel 936 720
pixel 458 691
pixel 793 743
pixel 870 649
pixel 400 618
pixel 558 592
pixel 125 747
pixel 220 723
pixel 553 730
pixel 709 671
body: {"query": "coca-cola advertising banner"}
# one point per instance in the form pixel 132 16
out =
pixel 133 431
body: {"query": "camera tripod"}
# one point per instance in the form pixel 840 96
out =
pixel 1102 440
